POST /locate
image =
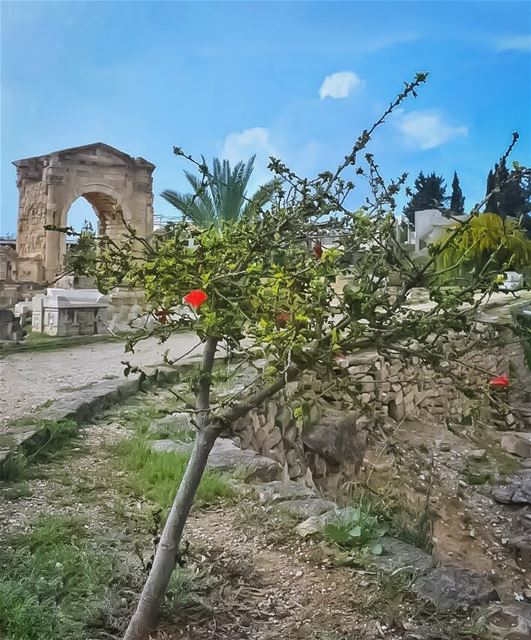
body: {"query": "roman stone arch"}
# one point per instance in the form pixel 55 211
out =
pixel 48 185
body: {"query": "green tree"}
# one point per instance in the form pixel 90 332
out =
pixel 430 193
pixel 457 200
pixel 487 244
pixel 219 194
pixel 259 288
pixel 508 192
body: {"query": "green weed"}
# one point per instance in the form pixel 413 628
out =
pixel 358 529
pixel 14 467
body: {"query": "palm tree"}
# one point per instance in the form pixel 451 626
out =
pixel 220 197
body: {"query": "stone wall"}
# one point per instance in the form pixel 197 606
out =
pixel 126 305
pixel 328 434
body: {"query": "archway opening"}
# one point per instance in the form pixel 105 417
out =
pixel 80 216
pixel 93 211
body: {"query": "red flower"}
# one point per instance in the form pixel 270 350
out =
pixel 318 249
pixel 195 298
pixel 282 319
pixel 499 382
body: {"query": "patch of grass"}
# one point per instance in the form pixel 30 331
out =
pixel 56 583
pixel 50 446
pixel 506 464
pixel 155 476
pixel 15 491
pixel 14 467
pixel 475 475
pixel 56 435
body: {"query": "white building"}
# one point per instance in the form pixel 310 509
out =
pixel 430 225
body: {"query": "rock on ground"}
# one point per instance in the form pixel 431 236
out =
pixel 510 621
pixel 450 588
pixel 398 555
pixel 226 456
pixel 518 491
pixel 306 508
pixel 281 490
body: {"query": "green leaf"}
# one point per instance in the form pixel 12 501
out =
pixel 376 549
pixel 355 532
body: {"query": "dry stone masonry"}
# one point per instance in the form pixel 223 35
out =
pixel 327 443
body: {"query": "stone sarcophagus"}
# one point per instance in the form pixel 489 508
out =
pixel 69 312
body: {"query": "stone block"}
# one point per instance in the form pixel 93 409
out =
pixel 449 588
pixel 518 444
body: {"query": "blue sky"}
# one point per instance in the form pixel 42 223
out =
pixel 236 78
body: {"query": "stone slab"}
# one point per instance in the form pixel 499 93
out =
pixel 281 490
pixel 226 456
pixel 449 588
pixel 306 508
pixel 398 556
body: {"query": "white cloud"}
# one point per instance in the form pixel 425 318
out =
pixel 514 43
pixel 241 145
pixel 340 85
pixel 426 129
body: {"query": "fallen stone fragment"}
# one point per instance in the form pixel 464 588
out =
pixel 172 424
pixel 450 588
pixel 520 545
pixel 306 508
pixel 317 523
pixel 509 621
pixel 398 555
pixel 280 490
pixel 503 493
pixel 226 456
pixel 517 492
pixel 517 443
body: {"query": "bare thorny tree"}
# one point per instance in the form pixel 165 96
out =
pixel 266 291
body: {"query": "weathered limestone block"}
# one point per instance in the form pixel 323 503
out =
pixel 519 444
pixel 336 439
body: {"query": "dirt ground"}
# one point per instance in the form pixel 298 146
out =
pixel 250 577
pixel 253 579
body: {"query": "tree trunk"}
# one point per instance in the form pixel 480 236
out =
pixel 157 582
pixel 158 579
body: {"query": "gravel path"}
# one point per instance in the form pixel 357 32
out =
pixel 29 379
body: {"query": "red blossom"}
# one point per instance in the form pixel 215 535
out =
pixel 195 298
pixel 282 318
pixel 318 249
pixel 499 382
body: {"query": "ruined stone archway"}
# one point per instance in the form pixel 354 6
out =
pixel 49 184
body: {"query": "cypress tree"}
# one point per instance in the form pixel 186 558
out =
pixel 457 201
pixel 430 193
